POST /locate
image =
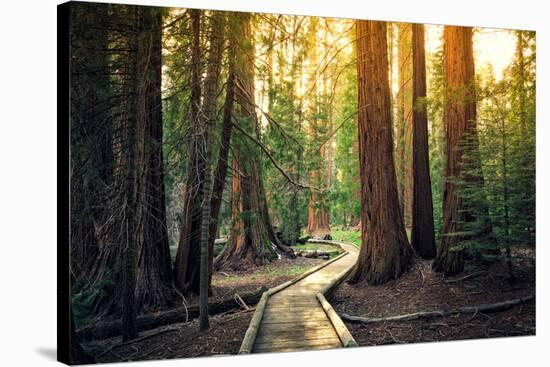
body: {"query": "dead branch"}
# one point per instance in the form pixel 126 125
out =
pixel 468 276
pixel 485 308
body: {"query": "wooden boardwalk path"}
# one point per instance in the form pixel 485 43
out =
pixel 294 319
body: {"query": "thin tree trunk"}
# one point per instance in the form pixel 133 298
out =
pixel 385 251
pixel 223 158
pixel 210 111
pixel 187 264
pixel 423 237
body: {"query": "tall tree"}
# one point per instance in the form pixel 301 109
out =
pixel 317 215
pixel 187 264
pixel 422 236
pixel 385 251
pixel 404 127
pixel 210 112
pixel 132 268
pixel 252 238
pixel 464 216
pixel 223 155
pixel 91 133
pixel 154 279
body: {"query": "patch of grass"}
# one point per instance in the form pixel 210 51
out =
pixel 287 271
pixel 270 272
pixel 353 237
pixel 316 246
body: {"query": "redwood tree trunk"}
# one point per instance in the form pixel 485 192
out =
pixel 318 225
pixel 208 125
pixel 423 238
pixel 223 158
pixel 187 264
pixel 404 148
pixel 249 241
pixel 154 288
pixel 462 151
pixel 91 156
pixel 134 260
pixel 385 251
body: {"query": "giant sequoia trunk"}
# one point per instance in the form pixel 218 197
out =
pixel 154 277
pixel 385 251
pixel 91 132
pixel 134 257
pixel 423 238
pixel 251 241
pixel 404 131
pixel 463 165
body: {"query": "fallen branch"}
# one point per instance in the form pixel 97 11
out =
pixel 486 308
pixel 154 320
pixel 110 349
pixel 468 276
pixel 240 301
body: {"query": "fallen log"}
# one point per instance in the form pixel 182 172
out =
pixel 485 308
pixel 179 314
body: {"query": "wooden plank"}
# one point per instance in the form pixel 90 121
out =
pixel 294 349
pixel 296 344
pixel 294 338
pixel 294 325
pixel 304 312
pixel 294 319
pixel 298 332
pixel 291 306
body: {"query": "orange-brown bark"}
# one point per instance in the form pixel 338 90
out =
pixel 385 251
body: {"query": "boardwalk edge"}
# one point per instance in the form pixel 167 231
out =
pixel 343 333
pixel 252 331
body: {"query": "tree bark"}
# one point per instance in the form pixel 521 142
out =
pixel 132 269
pixel 385 251
pixel 210 112
pixel 318 225
pixel 187 264
pixel 404 147
pixel 91 159
pixel 422 236
pixel 251 238
pixel 462 152
pixel 154 288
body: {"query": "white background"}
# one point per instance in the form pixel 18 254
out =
pixel 28 182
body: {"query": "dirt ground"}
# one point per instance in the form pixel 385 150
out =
pixel 423 290
pixel 183 340
pixel 420 289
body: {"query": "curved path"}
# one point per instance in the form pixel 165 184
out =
pixel 294 319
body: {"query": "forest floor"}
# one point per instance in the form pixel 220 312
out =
pixel 183 340
pixel 420 289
